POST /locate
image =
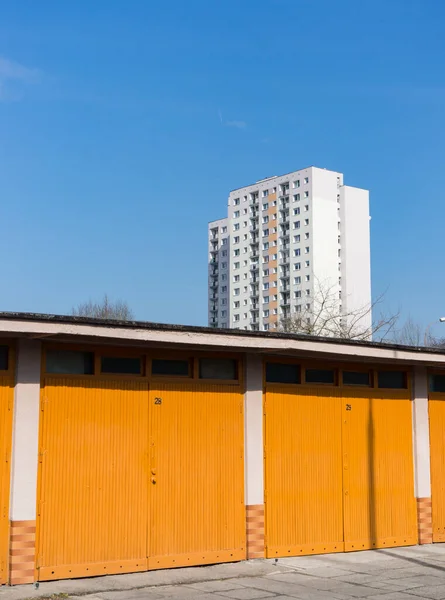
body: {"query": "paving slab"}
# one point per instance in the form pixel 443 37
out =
pixel 389 574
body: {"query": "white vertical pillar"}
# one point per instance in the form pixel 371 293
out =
pixel 254 454
pixel 421 439
pixel 421 434
pixel 25 431
pixel 253 423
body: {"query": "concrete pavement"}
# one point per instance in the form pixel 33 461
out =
pixel 392 574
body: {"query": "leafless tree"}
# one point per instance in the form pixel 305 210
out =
pixel 106 309
pixel 324 316
pixel 410 334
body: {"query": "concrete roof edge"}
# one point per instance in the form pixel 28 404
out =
pixel 257 339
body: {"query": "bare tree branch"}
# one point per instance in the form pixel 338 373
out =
pixel 325 316
pixel 106 309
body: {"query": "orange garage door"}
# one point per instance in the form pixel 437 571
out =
pixel 339 470
pixel 437 453
pixel 133 480
pixel 93 488
pixel 6 401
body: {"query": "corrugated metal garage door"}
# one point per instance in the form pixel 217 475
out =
pixel 338 469
pixel 6 403
pixel 379 502
pixel 132 479
pixel 197 478
pixel 93 488
pixel 304 510
pixel 437 454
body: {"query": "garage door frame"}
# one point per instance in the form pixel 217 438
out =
pixel 221 555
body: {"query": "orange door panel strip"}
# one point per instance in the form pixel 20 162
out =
pixel 303 472
pixel 93 478
pixel 6 411
pixel 379 503
pixel 339 470
pixel 197 512
pixel 437 457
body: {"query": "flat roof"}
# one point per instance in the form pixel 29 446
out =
pixel 71 328
pixel 284 175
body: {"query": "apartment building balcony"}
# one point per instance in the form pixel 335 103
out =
pixel 214 284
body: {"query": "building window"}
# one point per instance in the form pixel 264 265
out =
pixel 266 327
pixel 308 277
pixel 306 250
pixel 307 263
pixel 265 313
pixel 306 194
pixel 265 193
pixel 265 206
pixel 223 288
pixel 306 180
pixel 266 273
pixel 306 207
pixel 236 240
pixel 297 294
pixel 265 286
pixel 266 246
pixel 297 252
pixel 297 198
pixel 296 238
pixel 297 280
pixel 308 307
pixel 225 241
pixel 320 376
pixel 392 380
pixel 298 308
pixel 224 265
pixel 236 214
pixel 236 252
pixel 235 278
pixel 223 277
pixel 266 300
pixel 282 373
pixel 224 301
pixel 224 325
pixel 69 362
pixel 236 304
pixel 437 383
pixel 236 227
pixel 297 266
pixel 236 318
pixel 265 232
pixel 306 236
pixel 306 221
pixel 177 368
pixel 224 229
pixel 308 292
pixel 296 211
pixel 224 253
pixel 236 292
pixel 218 368
pixel 362 378
pixel 296 184
pixel 4 358
pixel 236 265
pixel 275 311
pixel 236 202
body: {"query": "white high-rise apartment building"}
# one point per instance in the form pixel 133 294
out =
pixel 284 238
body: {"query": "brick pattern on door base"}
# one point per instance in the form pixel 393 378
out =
pixel 22 551
pixel 424 520
pixel 255 530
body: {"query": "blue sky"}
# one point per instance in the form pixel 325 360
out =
pixel 113 155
